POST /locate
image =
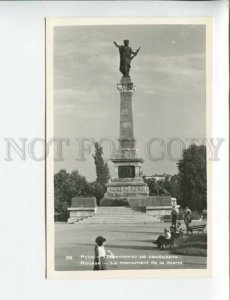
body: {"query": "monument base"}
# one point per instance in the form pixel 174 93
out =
pixel 126 187
pixel 151 205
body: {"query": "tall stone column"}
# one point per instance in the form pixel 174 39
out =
pixel 127 142
pixel 127 182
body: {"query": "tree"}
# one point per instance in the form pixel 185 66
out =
pixel 62 194
pixel 98 191
pixel 79 185
pixel 67 186
pixel 61 210
pixel 102 169
pixel 174 188
pixel 170 185
pixel 62 190
pixel 153 186
pixel 102 172
pixel 193 177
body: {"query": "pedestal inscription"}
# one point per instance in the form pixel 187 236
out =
pixel 126 171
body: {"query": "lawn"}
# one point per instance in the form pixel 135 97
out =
pixel 131 243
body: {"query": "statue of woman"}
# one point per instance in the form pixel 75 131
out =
pixel 126 57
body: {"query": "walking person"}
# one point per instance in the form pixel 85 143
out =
pixel 188 220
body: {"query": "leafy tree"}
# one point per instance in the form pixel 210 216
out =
pixel 102 172
pixel 67 186
pixel 61 210
pixel 193 177
pixel 165 184
pixel 102 169
pixel 62 190
pixel 170 185
pixel 153 186
pixel 98 191
pixel 79 185
pixel 174 188
pixel 62 194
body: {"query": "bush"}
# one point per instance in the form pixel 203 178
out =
pixel 195 245
pixel 61 213
pixel 196 215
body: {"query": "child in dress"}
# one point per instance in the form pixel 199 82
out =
pixel 100 261
pixel 179 230
pixel 172 231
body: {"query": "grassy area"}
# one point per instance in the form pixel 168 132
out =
pixel 195 245
pixel 123 240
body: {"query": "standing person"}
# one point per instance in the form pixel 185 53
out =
pixel 174 216
pixel 100 262
pixel 188 220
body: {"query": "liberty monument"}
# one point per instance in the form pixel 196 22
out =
pixel 128 182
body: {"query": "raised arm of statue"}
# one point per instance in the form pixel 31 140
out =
pixel 116 44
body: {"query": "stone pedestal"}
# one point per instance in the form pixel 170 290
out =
pixel 128 180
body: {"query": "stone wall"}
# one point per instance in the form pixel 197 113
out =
pixel 82 207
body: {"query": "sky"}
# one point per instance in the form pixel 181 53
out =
pixel 169 102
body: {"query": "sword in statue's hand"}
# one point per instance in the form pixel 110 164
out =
pixel 135 53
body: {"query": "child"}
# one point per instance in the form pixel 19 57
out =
pixel 178 227
pixel 172 230
pixel 100 262
pixel 179 230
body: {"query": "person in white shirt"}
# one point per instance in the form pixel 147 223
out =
pixel 100 262
pixel 163 238
pixel 167 234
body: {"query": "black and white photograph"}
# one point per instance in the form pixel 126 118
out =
pixel 114 150
pixel 130 123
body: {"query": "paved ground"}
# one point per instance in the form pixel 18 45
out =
pixel 131 243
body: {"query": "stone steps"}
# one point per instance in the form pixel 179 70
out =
pixel 118 215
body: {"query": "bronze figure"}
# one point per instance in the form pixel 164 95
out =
pixel 126 57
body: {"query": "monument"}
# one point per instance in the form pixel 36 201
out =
pixel 127 187
pixel 128 182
